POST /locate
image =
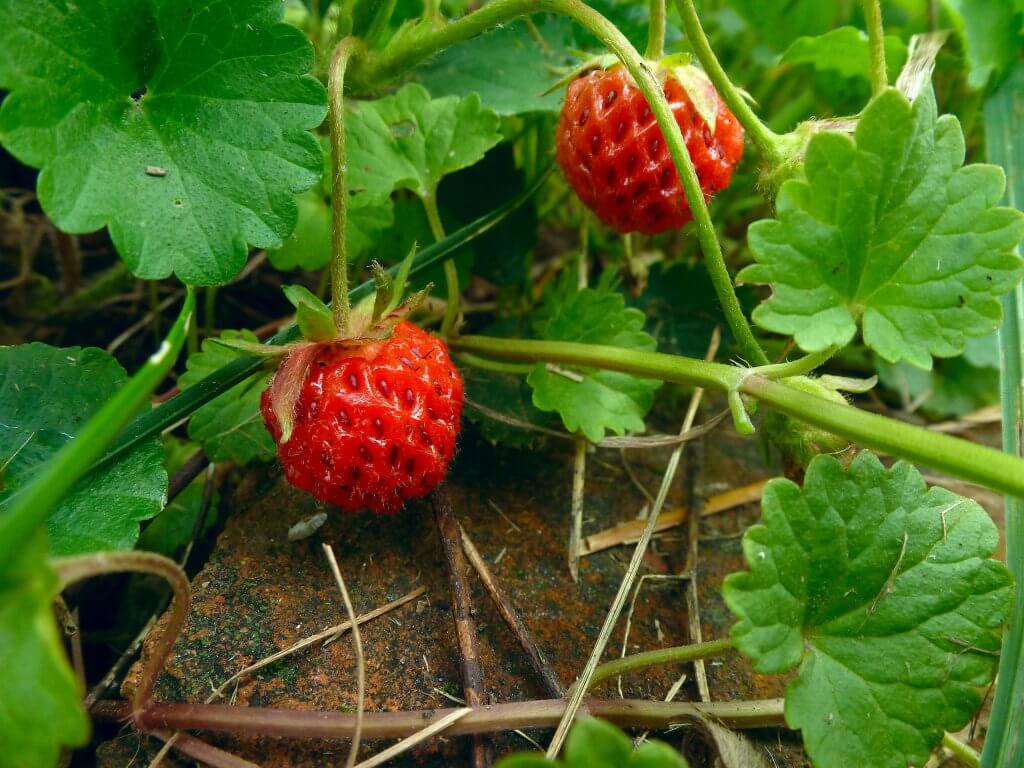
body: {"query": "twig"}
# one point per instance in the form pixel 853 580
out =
pixel 579 476
pixel 357 644
pixel 200 751
pixel 411 741
pixel 493 718
pixel 580 688
pixel 151 318
pixel 629 532
pixel 188 472
pixel 127 657
pixel 508 612
pixel 694 469
pixel 201 513
pixel 462 612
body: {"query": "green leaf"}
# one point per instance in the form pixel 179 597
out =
pixel 991 31
pixel 47 395
pixel 181 128
pixel 953 387
pixel 595 743
pixel 506 394
pixel 410 141
pixel 40 701
pixel 510 67
pixel 314 318
pixel 883 592
pixel 230 426
pixel 845 51
pixel 890 231
pixel 172 529
pixel 780 23
pixel 592 401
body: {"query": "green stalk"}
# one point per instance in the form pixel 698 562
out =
pixel 680 654
pixel 373 69
pixel 771 144
pixel 1004 129
pixel 31 506
pixel 451 274
pixel 339 183
pixel 876 41
pixel 961 458
pixel 965 753
pixel 656 31
pixel 799 367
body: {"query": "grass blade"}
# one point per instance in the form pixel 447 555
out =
pixel 1004 129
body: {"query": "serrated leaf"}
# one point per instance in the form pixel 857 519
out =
pixel 510 66
pixel 883 592
pixel 891 231
pixel 592 401
pixel 181 128
pixel 780 23
pixel 40 709
pixel 410 141
pixel 46 396
pixel 845 51
pixel 230 426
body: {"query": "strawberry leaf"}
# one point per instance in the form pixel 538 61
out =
pixel 511 67
pixel 40 709
pixel 892 231
pixel 171 530
pixel 953 387
pixel 230 426
pixel 592 401
pixel 47 395
pixel 883 592
pixel 594 743
pixel 183 128
pixel 845 51
pixel 410 141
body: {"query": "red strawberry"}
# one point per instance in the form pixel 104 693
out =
pixel 614 154
pixel 375 424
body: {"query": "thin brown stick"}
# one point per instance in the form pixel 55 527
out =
pixel 201 752
pixel 462 612
pixel 411 741
pixel 493 718
pixel 357 644
pixel 629 532
pixel 694 499
pixel 188 472
pixel 515 623
pixel 579 476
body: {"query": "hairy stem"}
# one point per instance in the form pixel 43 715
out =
pixel 799 367
pixel 769 142
pixel 494 718
pixel 675 655
pixel 339 184
pixel 74 569
pixel 656 31
pixel 961 458
pixel 876 41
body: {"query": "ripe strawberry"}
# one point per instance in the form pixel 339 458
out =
pixel 374 424
pixel 614 154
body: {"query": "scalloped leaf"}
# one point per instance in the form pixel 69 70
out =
pixel 183 128
pixel 884 593
pixel 892 231
pixel 592 401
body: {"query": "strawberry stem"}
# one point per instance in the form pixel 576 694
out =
pixel 339 184
pixel 876 41
pixel 771 144
pixel 961 458
pixel 656 31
